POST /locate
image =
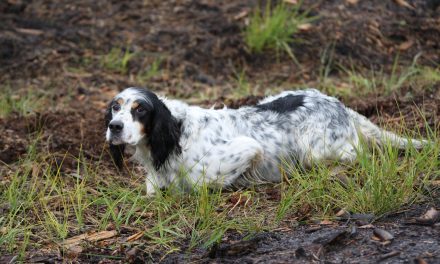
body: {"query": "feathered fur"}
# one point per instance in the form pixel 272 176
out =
pixel 238 146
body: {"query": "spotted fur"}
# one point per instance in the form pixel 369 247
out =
pixel 187 145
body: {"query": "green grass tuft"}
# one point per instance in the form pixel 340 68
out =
pixel 117 60
pixel 382 180
pixel 274 28
pixel 152 71
pixel 23 104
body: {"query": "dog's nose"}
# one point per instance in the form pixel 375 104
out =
pixel 116 126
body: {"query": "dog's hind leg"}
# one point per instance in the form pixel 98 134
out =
pixel 222 164
pixel 347 153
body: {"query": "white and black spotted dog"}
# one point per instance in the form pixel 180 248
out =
pixel 235 146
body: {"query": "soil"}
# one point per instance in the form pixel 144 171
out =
pixel 347 241
pixel 201 46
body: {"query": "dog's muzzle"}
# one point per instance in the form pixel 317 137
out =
pixel 116 127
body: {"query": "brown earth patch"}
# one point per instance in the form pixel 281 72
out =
pixel 59 44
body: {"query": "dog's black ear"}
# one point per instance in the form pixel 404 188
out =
pixel 116 151
pixel 164 134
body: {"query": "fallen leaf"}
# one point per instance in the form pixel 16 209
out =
pixel 90 237
pixel 404 4
pixel 305 27
pixel 352 2
pixel 406 45
pixel 343 213
pixel 431 214
pixel 135 236
pixel 241 15
pixel 382 235
pixel 29 31
pixel 431 217
pixel 292 2
pixel 367 226
pixel 326 222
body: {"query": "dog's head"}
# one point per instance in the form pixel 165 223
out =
pixel 137 116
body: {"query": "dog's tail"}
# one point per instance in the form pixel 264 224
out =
pixel 373 133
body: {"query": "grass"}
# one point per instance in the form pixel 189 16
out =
pixel 274 28
pixel 42 204
pixel 379 82
pixel 352 82
pixel 151 71
pixel 20 103
pixel 56 205
pixel 242 86
pixel 117 60
pixel 381 181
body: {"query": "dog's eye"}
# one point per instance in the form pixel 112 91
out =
pixel 116 107
pixel 140 110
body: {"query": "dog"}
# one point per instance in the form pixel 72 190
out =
pixel 186 145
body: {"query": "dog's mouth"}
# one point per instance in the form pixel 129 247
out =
pixel 118 140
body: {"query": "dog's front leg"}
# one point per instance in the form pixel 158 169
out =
pixel 153 183
pixel 151 186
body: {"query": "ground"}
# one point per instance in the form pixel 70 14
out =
pixel 61 63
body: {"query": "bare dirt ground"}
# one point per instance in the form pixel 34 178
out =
pixel 347 241
pixel 57 46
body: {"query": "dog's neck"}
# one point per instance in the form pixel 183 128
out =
pixel 142 155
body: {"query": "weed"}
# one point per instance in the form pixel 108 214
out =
pixel 274 28
pixel 353 82
pixel 289 198
pixel 381 181
pixel 378 82
pixel 152 71
pixel 79 200
pixel 242 86
pixel 325 82
pixel 22 104
pixel 117 60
